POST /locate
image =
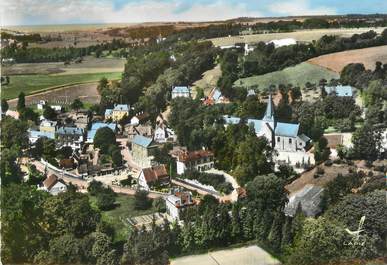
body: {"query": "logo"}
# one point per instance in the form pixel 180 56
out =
pixel 356 240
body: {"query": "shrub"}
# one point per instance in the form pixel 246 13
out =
pixel 142 202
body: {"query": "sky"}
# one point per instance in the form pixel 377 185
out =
pixel 43 12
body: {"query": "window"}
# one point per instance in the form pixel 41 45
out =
pixel 290 140
pixel 278 139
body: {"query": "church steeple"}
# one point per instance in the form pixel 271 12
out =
pixel 269 113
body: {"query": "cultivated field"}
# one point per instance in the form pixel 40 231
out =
pixel 252 255
pixel 302 35
pixel 296 75
pixel 88 93
pixel 208 81
pixel 33 78
pixel 337 61
pixel 31 84
pixel 89 65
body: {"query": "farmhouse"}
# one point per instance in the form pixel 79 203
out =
pixel 70 136
pixel 340 91
pixel 176 202
pixel 153 176
pixel 117 113
pixel 53 185
pixel 200 160
pixel 181 91
pixel 142 151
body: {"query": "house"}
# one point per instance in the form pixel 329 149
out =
pixel 153 176
pixel 47 126
pixel 181 91
pixel 81 119
pixel 340 91
pixel 215 97
pixel 164 134
pixel 145 130
pixel 34 135
pixel 118 112
pixel 282 136
pixel 142 151
pixel 248 49
pixel 177 202
pixel 283 42
pixel 70 136
pixel 139 118
pixel 98 125
pixel 309 199
pixel 228 120
pixel 41 104
pixel 200 160
pixel 53 185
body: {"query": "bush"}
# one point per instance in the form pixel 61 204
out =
pixel 106 199
pixel 95 187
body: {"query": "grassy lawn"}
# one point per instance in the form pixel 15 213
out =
pixel 30 84
pixel 117 216
pixel 296 75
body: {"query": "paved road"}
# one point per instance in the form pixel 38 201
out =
pixel 83 184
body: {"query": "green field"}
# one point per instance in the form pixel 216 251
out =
pixel 31 84
pixel 117 217
pixel 296 75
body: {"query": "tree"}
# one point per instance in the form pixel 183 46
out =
pixel 76 104
pixel 65 249
pixel 21 216
pixel 49 113
pixel 4 106
pixel 21 102
pixel 28 114
pixel 106 199
pixel 104 137
pixel 116 157
pixel 14 133
pixel 142 202
pixel 95 187
pixel 366 142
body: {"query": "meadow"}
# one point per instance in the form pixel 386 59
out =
pixel 296 75
pixel 367 56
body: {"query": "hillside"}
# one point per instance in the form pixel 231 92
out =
pixel 337 61
pixel 296 75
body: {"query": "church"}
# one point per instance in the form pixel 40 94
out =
pixel 283 137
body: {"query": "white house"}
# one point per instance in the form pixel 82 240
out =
pixel 340 91
pixel 181 91
pixel 176 202
pixel 57 108
pixel 163 134
pixel 53 185
pixel 139 118
pixel 153 176
pixel 200 160
pixel 283 42
pixel 41 104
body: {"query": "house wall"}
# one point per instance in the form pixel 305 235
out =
pixel 142 182
pixel 47 129
pixel 58 188
pixel 180 167
pixel 172 210
pixel 199 165
pixel 141 156
pixel 74 141
pixel 178 94
pixel 289 144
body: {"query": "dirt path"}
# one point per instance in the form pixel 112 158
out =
pixel 64 95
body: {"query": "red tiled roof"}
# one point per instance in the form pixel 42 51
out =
pixel 155 173
pixel 194 155
pixel 50 181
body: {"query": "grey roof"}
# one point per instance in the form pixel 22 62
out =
pixel 39 134
pixel 142 140
pixel 304 138
pixel 70 130
pixel 180 89
pixel 286 129
pixel 231 119
pixel 309 198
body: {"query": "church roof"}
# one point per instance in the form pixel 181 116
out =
pixel 269 113
pixel 256 123
pixel 286 129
